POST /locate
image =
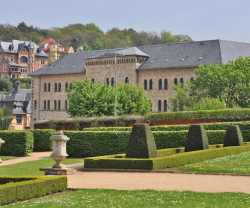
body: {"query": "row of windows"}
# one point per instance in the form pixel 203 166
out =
pixel 57 105
pixel 57 87
pixel 160 87
pixel 113 81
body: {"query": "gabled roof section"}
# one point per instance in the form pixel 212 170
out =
pixel 175 55
pixel 18 46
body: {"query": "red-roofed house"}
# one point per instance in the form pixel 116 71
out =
pixel 54 49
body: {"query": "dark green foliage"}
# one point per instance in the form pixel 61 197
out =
pixel 42 140
pixel 196 139
pixel 141 142
pixel 120 162
pixel 233 136
pixel 17 143
pixel 25 188
pixel 90 144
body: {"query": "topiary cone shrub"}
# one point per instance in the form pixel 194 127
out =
pixel 196 139
pixel 233 136
pixel 141 142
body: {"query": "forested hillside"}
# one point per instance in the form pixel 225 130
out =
pixel 90 36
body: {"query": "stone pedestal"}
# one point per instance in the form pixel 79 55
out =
pixel 59 154
pixel 1 142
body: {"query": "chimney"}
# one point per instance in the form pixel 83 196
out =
pixel 18 89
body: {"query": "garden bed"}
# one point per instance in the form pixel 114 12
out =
pixel 161 162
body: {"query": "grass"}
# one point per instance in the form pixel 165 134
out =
pixel 142 198
pixel 238 164
pixel 7 157
pixel 32 167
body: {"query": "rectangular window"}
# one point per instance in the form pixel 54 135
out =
pixel 19 119
pixel 5 68
pixel 32 60
pixel 1 58
pixel 0 68
pixel 42 61
pixel 11 58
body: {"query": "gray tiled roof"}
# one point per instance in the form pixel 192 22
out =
pixel 18 46
pixel 175 55
pixel 17 100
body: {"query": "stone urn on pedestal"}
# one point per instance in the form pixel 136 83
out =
pixel 59 154
pixel 1 142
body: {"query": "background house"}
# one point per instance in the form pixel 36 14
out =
pixel 19 58
pixel 54 49
pixel 19 102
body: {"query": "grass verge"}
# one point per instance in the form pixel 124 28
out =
pixel 237 164
pixel 142 198
pixel 7 157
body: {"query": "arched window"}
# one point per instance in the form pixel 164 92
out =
pixel 159 105
pixel 70 86
pixel 150 84
pixel 44 105
pixel 24 59
pixel 66 104
pixel 54 104
pixel 145 84
pixel 66 86
pixel 93 80
pixel 191 80
pixel 160 84
pixel 48 107
pixel 45 87
pixel 126 80
pixel 112 81
pixel 59 105
pixel 182 82
pixel 48 87
pixel 176 81
pixel 166 84
pixel 35 105
pixel 107 81
pixel 55 87
pixel 165 106
pixel 59 87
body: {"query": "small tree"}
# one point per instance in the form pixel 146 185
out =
pixel 6 112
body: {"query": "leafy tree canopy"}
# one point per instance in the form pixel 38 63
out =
pixel 89 99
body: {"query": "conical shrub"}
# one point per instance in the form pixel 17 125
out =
pixel 141 142
pixel 196 139
pixel 233 136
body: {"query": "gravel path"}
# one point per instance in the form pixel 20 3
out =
pixel 33 156
pixel 159 181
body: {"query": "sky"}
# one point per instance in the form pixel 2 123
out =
pixel 200 19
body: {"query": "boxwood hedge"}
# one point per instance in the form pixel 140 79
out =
pixel 120 162
pixel 42 140
pixel 90 144
pixel 17 143
pixel 18 188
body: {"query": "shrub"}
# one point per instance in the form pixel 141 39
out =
pixel 196 139
pixel 141 143
pixel 90 144
pixel 17 143
pixel 14 189
pixel 120 162
pixel 42 140
pixel 233 136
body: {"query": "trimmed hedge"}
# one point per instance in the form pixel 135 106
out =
pixel 90 144
pixel 42 140
pixel 22 188
pixel 17 143
pixel 119 162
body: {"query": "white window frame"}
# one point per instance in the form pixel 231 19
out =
pixel 19 119
pixel 42 61
pixel 11 58
pixel 5 68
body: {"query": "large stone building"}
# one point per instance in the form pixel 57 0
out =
pixel 19 58
pixel 154 67
pixel 54 49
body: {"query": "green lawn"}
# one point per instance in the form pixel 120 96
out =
pixel 145 198
pixel 239 164
pixel 7 157
pixel 32 167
